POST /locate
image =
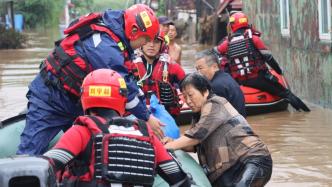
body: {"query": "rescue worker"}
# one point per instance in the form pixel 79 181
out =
pixel 231 154
pixel 156 73
pixel 247 56
pixel 104 149
pixel 221 82
pixel 94 41
pixel 175 50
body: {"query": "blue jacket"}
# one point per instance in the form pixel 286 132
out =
pixel 101 51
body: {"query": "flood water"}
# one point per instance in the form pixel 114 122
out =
pixel 300 143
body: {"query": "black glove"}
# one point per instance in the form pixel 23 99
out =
pixel 273 63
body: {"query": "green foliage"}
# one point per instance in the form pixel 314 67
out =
pixel 40 12
pixel 82 7
pixel 10 39
pixel 101 5
pixel 161 9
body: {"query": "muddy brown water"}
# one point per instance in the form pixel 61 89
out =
pixel 300 143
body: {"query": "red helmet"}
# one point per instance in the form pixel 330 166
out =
pixel 104 88
pixel 162 37
pixel 143 19
pixel 238 20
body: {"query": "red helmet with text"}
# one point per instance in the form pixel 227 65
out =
pixel 140 20
pixel 104 88
pixel 238 20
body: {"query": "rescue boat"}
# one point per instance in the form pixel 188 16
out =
pixel 259 102
pixel 11 129
pixel 256 101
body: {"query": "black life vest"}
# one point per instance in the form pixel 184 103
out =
pixel 67 66
pixel 244 59
pixel 122 153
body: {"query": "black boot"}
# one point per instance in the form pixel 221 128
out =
pixel 296 102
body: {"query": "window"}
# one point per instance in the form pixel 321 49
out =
pixel 284 15
pixel 324 11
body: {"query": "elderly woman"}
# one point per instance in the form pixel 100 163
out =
pixel 228 149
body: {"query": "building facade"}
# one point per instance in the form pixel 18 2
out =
pixel 299 34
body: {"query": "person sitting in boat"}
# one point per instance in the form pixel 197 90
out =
pixel 94 41
pixel 221 82
pixel 156 73
pixel 247 58
pixel 228 149
pixel 104 149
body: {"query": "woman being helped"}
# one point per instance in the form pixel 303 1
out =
pixel 228 150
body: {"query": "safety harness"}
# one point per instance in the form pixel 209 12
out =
pixel 122 153
pixel 65 64
pixel 245 59
pixel 154 79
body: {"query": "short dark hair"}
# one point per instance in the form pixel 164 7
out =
pixel 198 81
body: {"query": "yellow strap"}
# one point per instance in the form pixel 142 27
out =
pixel 120 44
pixel 167 39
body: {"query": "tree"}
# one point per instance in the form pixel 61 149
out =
pixel 40 12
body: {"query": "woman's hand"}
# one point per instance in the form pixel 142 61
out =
pixel 166 140
pixel 155 125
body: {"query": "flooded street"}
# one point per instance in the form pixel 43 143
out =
pixel 17 69
pixel 300 143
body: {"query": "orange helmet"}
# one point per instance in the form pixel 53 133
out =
pixel 142 18
pixel 104 88
pixel 238 20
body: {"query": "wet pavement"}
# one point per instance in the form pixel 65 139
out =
pixel 300 143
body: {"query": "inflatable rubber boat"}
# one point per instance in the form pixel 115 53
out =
pixel 259 102
pixel 21 168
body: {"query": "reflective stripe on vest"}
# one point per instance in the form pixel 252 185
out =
pixel 157 82
pixel 123 153
pixel 245 60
